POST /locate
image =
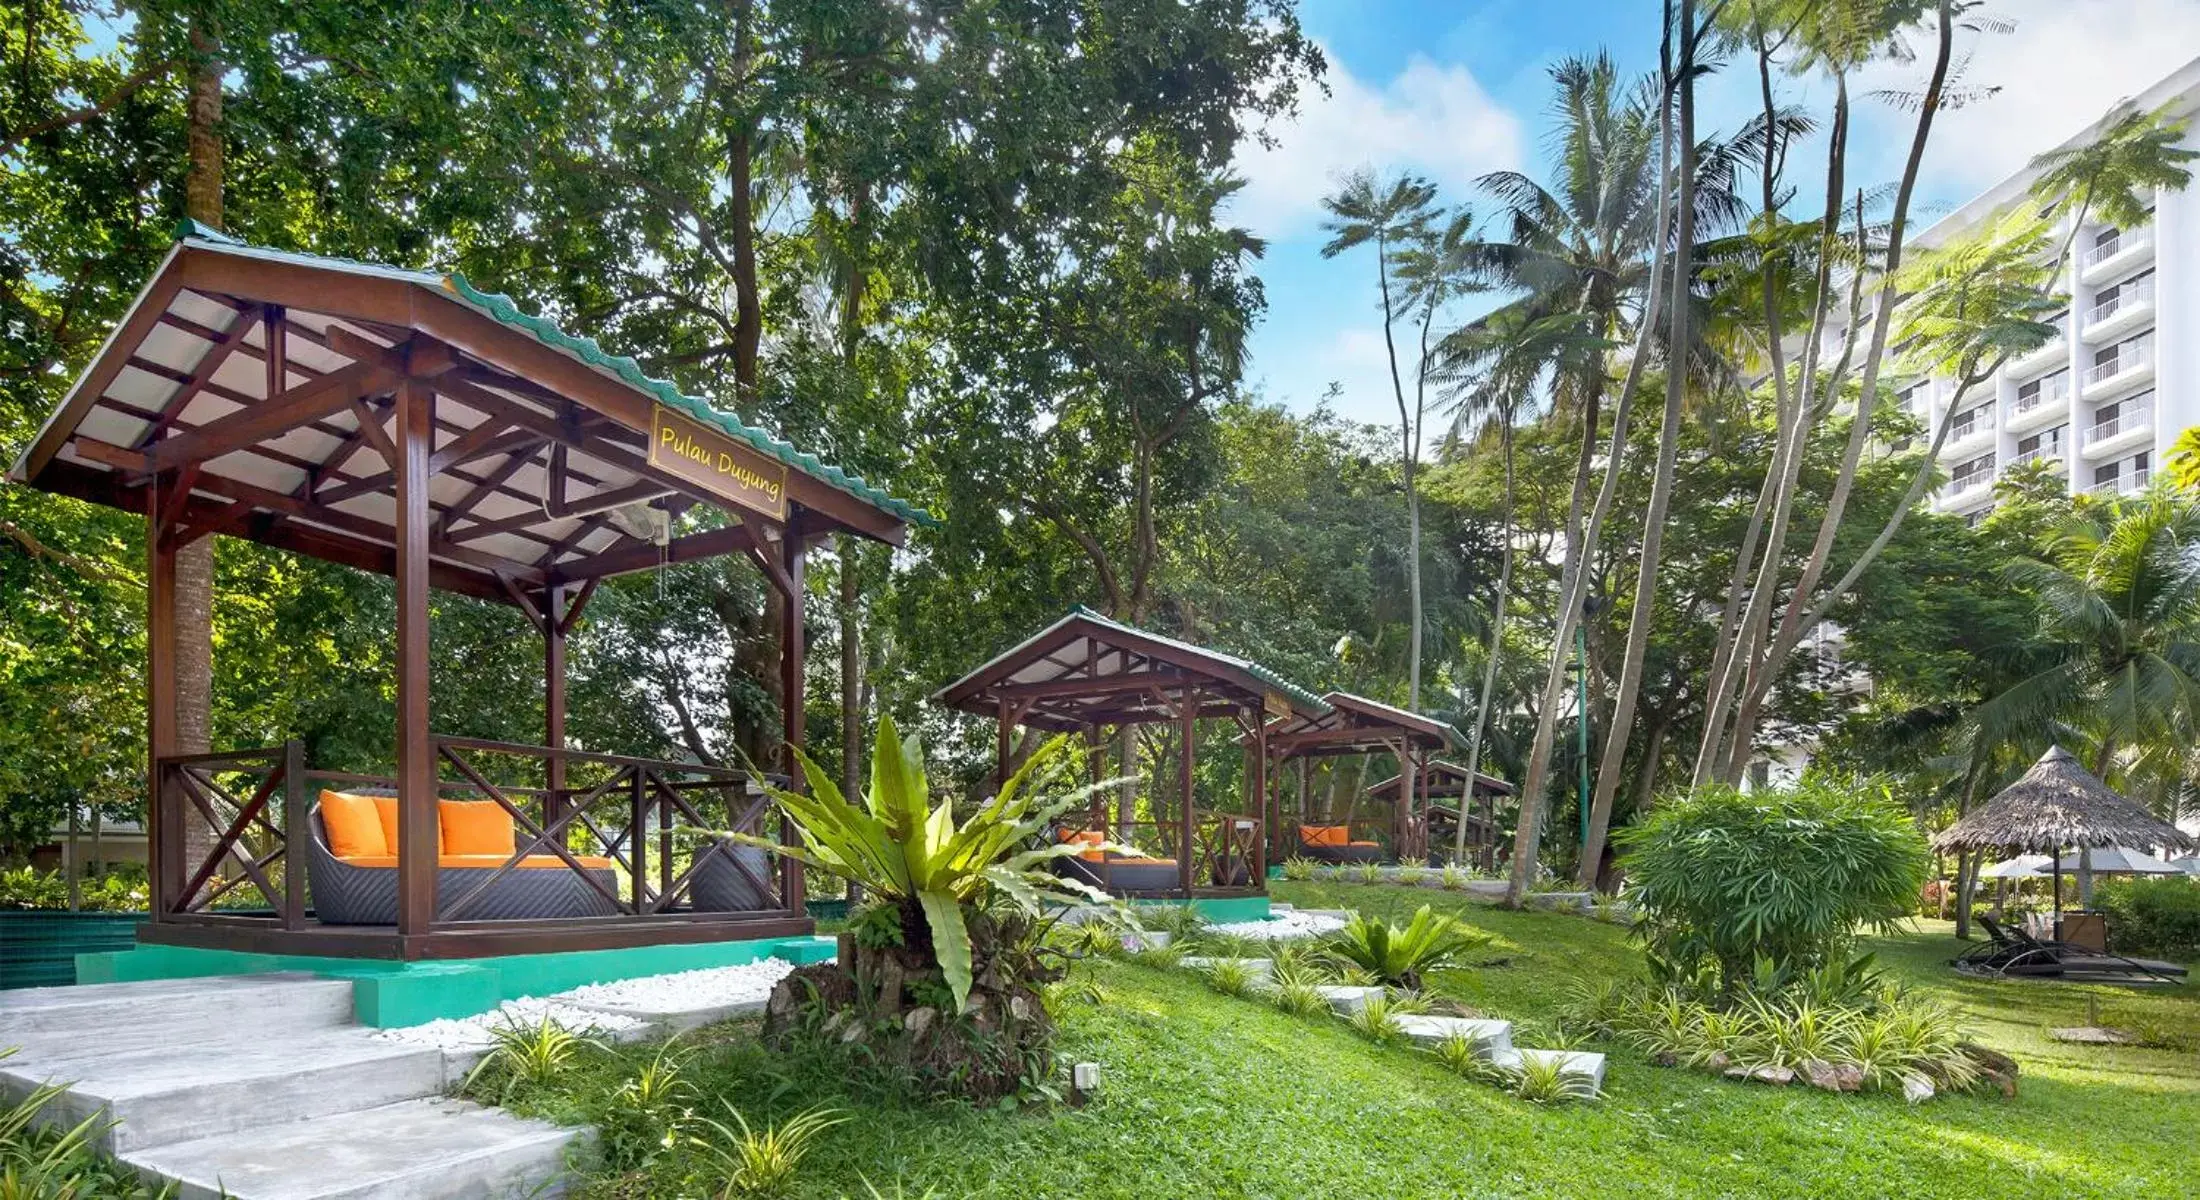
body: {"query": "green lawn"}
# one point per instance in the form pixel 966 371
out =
pixel 1210 1096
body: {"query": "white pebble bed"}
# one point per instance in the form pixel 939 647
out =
pixel 1289 927
pixel 681 991
pixel 478 1031
pixel 712 987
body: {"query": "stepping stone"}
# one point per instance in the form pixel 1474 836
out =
pixel 1262 969
pixel 1562 900
pixel 1277 910
pixel 1490 1038
pixel 412 1150
pixel 194 1090
pixel 1152 939
pixel 1579 1063
pixel 1347 1000
pixel 109 1018
pixel 661 1021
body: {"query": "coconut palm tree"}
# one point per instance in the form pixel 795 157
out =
pixel 1396 219
pixel 2118 653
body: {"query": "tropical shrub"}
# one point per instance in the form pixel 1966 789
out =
pixel 762 1162
pixel 523 1056
pixel 1298 868
pixel 123 889
pixel 943 990
pixel 1400 956
pixel 2160 917
pixel 1727 880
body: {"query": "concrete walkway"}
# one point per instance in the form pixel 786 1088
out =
pixel 261 1087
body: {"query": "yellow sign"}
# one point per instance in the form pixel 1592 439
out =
pixel 682 446
pixel 1276 704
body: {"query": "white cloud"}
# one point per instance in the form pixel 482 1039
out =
pixel 1434 119
pixel 2062 66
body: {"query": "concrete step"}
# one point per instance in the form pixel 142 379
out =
pixel 1581 1064
pixel 1490 1038
pixel 169 1012
pixel 416 1150
pixel 1277 908
pixel 1346 999
pixel 199 1089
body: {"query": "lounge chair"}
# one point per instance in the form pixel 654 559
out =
pixel 1111 872
pixel 2013 952
pixel 353 876
pixel 1333 844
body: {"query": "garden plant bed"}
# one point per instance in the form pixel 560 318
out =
pixel 1204 1094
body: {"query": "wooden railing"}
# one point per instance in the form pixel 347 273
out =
pixel 1227 851
pixel 657 822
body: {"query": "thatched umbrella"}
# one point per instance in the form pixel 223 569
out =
pixel 2059 803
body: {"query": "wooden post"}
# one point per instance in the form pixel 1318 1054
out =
pixel 791 693
pixel 553 701
pixel 295 834
pixel 1185 850
pixel 1000 743
pixel 1402 817
pixel 1306 790
pixel 416 769
pixel 1098 817
pixel 637 838
pixel 1261 789
pixel 164 834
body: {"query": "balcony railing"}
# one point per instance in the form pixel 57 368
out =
pixel 2136 417
pixel 2129 239
pixel 2051 390
pixel 2125 298
pixel 2053 453
pixel 1969 423
pixel 1970 480
pixel 2122 485
pixel 2125 360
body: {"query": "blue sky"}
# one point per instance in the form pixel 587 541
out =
pixel 1452 90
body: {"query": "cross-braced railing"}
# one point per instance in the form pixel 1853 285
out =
pixel 661 826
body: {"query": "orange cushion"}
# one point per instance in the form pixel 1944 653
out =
pixel 1377 844
pixel 1323 835
pixel 533 862
pixel 1089 837
pixel 351 824
pixel 475 827
pixel 385 807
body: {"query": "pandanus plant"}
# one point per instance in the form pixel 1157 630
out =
pixel 908 851
pixel 1400 956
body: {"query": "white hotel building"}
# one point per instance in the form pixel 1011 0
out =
pixel 2105 400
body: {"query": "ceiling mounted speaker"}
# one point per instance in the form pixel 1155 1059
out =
pixel 645 521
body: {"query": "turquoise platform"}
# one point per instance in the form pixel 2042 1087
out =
pixel 389 993
pixel 1220 909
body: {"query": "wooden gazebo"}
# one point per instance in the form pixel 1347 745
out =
pixel 1086 673
pixel 406 423
pixel 1449 798
pixel 1358 725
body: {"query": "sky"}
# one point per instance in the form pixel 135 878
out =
pixel 1454 90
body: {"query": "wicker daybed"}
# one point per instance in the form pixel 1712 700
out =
pixel 1333 844
pixel 359 885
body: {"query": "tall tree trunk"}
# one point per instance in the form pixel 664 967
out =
pixel 852 716
pixel 1581 542
pixel 1800 601
pixel 194 583
pixel 1632 662
pixel 1407 439
pixel 1497 647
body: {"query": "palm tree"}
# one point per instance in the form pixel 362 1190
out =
pixel 1494 365
pixel 1394 219
pixel 2117 659
pixel 2115 173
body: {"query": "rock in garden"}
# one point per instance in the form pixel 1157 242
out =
pixel 1774 1075
pixel 1917 1089
pixel 918 1020
pixel 1833 1077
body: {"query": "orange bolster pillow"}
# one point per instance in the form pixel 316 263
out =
pixel 354 829
pixel 472 827
pixel 1087 837
pixel 1323 835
